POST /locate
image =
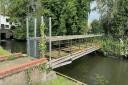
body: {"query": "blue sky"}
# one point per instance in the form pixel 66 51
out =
pixel 94 14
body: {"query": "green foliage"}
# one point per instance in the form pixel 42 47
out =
pixel 42 43
pixel 114 16
pixel 96 27
pixel 18 10
pixel 4 52
pixel 113 47
pixel 41 68
pixel 69 16
pixel 3 7
pixel 44 68
pixel 28 74
pixel 19 33
pixel 59 81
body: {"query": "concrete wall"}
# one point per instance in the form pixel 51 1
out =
pixel 21 78
pixel 7 32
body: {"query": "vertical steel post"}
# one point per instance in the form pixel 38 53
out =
pixel 79 43
pixel 59 48
pixel 71 50
pixel 0 29
pixel 71 46
pixel 27 33
pixel 35 36
pixel 50 43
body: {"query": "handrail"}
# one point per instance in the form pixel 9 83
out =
pixel 69 37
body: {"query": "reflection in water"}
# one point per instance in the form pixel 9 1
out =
pixel 86 68
pixel 14 46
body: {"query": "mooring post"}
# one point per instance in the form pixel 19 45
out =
pixel 50 43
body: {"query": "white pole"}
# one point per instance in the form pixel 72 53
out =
pixel 50 43
pixel 0 29
pixel 35 36
pixel 28 42
pixel 42 19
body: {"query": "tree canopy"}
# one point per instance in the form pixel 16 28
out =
pixel 114 16
pixel 69 17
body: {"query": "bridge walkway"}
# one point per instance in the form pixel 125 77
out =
pixel 68 59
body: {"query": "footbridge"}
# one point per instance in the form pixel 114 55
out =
pixel 71 48
pixel 63 50
pixel 55 63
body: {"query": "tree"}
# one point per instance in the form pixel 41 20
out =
pixel 114 16
pixel 4 5
pixel 68 16
pixel 96 27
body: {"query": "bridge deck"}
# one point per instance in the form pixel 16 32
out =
pixel 64 51
pixel 55 63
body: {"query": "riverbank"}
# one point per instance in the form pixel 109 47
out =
pixel 63 80
pixel 59 81
pixel 4 52
pixel 114 47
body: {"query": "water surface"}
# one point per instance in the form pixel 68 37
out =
pixel 14 46
pixel 85 69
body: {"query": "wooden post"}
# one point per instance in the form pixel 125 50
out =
pixel 50 43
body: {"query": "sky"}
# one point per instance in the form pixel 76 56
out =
pixel 94 14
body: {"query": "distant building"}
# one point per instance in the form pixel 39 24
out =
pixel 5 27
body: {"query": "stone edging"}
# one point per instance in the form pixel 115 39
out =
pixel 21 67
pixel 15 56
pixel 74 80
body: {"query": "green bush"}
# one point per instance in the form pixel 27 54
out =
pixel 4 52
pixel 111 46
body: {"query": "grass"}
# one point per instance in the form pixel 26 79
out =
pixel 4 52
pixel 59 81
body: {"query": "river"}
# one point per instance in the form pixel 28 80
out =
pixel 85 69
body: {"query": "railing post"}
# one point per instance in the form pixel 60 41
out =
pixel 59 48
pixel 35 36
pixel 27 33
pixel 79 43
pixel 50 43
